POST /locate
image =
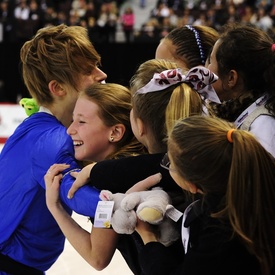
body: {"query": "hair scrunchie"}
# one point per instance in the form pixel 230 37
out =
pixel 198 78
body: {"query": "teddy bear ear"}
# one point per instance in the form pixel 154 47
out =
pixel 105 195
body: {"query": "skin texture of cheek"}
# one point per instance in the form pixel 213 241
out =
pixel 166 50
pixel 179 180
pixel 134 124
pixel 97 150
pixel 222 92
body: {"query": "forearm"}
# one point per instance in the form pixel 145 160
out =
pixel 96 248
pixel 104 246
pixel 149 237
pixel 121 174
pixel 85 200
pixel 146 231
pixel 76 235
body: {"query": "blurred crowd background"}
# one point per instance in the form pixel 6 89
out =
pixel 124 32
pixel 20 19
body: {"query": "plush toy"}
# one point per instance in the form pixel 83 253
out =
pixel 149 206
pixel 30 105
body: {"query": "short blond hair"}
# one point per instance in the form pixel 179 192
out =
pixel 58 53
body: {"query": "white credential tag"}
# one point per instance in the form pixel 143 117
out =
pixel 173 213
pixel 103 214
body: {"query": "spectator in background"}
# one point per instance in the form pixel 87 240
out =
pixel 80 7
pixel 149 32
pixel 113 18
pixel 187 18
pixel 21 28
pixel 106 14
pixel 5 20
pixel 62 5
pixel 22 10
pixel 165 27
pixel 93 30
pixel 28 19
pixel 263 20
pixel 61 18
pixel 74 19
pixel 36 17
pixel 50 17
pixel 90 11
pixel 247 15
pixel 107 22
pixel 161 11
pixel 232 15
pixel 127 21
pixel 142 3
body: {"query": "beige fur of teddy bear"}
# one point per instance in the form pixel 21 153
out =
pixel 149 206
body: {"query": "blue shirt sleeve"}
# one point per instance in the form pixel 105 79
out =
pixel 85 199
pixel 56 147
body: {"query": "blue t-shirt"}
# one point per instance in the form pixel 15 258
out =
pixel 28 232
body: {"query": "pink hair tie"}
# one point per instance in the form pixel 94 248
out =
pixel 273 48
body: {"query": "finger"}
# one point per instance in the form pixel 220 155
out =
pixel 51 179
pixel 52 190
pixel 57 169
pixel 57 165
pixel 56 180
pixel 82 177
pixel 74 174
pixel 73 189
pixel 146 183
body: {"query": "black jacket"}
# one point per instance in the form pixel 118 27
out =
pixel 211 250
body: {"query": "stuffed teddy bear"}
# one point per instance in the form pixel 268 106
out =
pixel 149 206
pixel 30 105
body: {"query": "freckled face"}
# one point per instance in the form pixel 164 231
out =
pixel 89 133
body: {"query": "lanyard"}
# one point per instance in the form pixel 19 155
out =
pixel 185 230
pixel 259 102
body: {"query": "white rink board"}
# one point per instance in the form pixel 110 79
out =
pixel 11 115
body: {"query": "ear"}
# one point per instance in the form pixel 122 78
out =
pixel 56 89
pixel 117 132
pixel 141 127
pixel 232 78
pixel 193 188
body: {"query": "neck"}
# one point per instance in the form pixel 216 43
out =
pixel 231 109
pixel 155 148
pixel 62 113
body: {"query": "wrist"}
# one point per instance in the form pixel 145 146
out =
pixel 149 237
pixel 55 207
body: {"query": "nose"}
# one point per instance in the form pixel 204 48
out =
pixel 99 75
pixel 70 130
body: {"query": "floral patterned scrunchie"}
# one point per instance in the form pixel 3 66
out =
pixel 198 78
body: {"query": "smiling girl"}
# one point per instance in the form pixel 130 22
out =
pixel 101 127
